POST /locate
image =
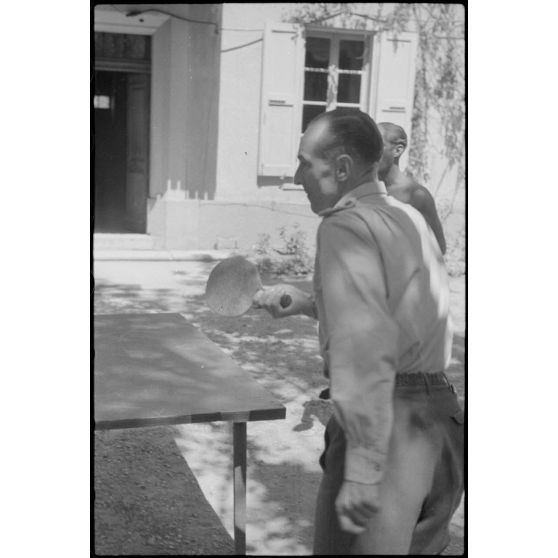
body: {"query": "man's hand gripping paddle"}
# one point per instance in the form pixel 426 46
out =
pixel 232 286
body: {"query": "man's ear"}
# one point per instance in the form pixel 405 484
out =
pixel 344 166
pixel 398 149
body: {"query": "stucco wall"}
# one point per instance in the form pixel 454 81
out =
pixel 205 192
pixel 265 206
pixel 184 109
pixel 205 120
pixel 239 121
pixel 184 125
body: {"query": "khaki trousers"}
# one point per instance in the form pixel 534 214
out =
pixel 422 484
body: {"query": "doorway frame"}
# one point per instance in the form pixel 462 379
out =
pixel 109 19
pixel 128 66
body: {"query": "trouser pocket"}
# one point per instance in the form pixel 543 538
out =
pixel 459 417
pixel 326 445
pixel 332 459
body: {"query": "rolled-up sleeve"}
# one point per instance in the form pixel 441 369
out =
pixel 361 341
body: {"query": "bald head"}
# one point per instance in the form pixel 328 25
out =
pixel 395 142
pixel 393 133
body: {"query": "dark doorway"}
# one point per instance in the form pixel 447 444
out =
pixel 121 105
pixel 110 105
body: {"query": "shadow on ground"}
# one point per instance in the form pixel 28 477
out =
pixel 275 528
pixel 147 499
pixel 111 298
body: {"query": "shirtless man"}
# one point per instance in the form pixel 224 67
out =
pixel 403 187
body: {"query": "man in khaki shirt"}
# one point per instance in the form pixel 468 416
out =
pixel 393 462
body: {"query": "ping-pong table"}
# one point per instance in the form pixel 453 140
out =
pixel 157 369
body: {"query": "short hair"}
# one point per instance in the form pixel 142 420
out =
pixel 396 133
pixel 354 132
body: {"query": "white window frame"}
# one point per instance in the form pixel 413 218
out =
pixel 335 36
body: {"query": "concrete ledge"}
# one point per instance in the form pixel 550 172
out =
pixel 161 255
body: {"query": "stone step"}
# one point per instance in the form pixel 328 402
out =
pixel 124 241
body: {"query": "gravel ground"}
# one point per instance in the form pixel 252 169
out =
pixel 168 490
pixel 147 500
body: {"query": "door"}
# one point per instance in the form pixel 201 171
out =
pixel 137 157
pixel 110 150
pixel 122 90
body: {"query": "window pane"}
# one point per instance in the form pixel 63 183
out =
pixel 101 102
pixel 118 45
pixel 317 53
pixel 315 86
pixel 309 112
pixel 349 88
pixel 351 55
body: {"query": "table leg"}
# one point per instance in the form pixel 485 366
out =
pixel 239 477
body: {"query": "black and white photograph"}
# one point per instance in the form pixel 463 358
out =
pixel 279 279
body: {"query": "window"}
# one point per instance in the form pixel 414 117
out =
pixel 306 71
pixel 101 102
pixel 119 45
pixel 333 75
pixel 122 52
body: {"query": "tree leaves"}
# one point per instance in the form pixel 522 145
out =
pixel 439 103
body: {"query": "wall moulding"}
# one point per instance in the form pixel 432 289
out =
pixel 111 20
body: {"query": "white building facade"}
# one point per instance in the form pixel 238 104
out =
pixel 208 114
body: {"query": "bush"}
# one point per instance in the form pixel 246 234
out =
pixel 290 258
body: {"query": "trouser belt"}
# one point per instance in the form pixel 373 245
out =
pixel 410 379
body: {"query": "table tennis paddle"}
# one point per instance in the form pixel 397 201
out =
pixel 232 285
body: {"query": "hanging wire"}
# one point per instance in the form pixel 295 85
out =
pixel 243 45
pixel 243 30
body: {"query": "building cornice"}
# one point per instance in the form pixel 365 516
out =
pixel 110 20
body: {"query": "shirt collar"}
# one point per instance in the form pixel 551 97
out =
pixel 350 198
pixel 364 190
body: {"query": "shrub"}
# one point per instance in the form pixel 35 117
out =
pixel 263 245
pixel 289 258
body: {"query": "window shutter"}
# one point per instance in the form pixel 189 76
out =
pixel 281 99
pixel 392 94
